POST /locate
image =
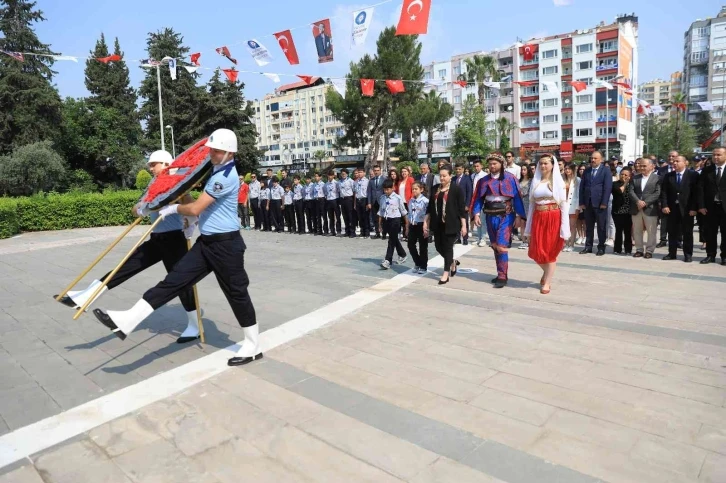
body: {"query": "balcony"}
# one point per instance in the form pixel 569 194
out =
pixel 605 67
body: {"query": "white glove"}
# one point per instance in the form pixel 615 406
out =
pixel 168 210
pixel 142 211
pixel 190 223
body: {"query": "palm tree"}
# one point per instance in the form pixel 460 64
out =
pixel 676 101
pixel 504 127
pixel 433 114
pixel 480 69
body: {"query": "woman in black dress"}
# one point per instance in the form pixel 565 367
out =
pixel 621 213
pixel 446 220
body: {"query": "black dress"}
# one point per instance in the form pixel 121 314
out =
pixel 446 230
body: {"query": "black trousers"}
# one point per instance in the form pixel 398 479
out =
pixel 222 254
pixel 416 237
pixel 276 215
pixel 320 218
pixel 346 207
pixel 309 206
pixel 701 222
pixel 375 208
pixel 680 226
pixel 289 212
pixel 332 208
pixel 255 207
pixel 623 233
pixel 663 227
pixel 299 207
pixel 715 221
pixel 244 214
pixel 392 226
pixel 169 248
pixel 445 247
pixel 363 216
pixel 595 215
pixel 264 215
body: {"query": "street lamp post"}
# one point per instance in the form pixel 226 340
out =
pixel 723 91
pixel 607 126
pixel 173 144
pixel 161 111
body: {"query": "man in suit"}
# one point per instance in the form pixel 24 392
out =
pixel 665 168
pixel 464 183
pixel 323 44
pixel 679 201
pixel 596 186
pixel 375 191
pixel 268 181
pixel 712 205
pixel 426 178
pixel 644 207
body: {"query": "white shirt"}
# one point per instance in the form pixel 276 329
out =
pixel 515 169
pixel 644 181
pixel 477 176
pixel 402 190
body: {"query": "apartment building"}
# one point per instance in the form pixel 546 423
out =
pixel 659 92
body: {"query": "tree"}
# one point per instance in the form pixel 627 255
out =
pixel 434 112
pixel 470 137
pixel 223 105
pixel 31 105
pixel 31 169
pixel 504 127
pixel 704 127
pixel 143 178
pixel 180 98
pixel 319 155
pixel 480 69
pixel 661 136
pixel 674 103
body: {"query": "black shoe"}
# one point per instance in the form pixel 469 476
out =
pixel 66 300
pixel 376 236
pixel 661 244
pixel 384 237
pixel 458 242
pixel 687 258
pixel 600 253
pixel 723 261
pixel 466 242
pixel 638 255
pixel 669 257
pixel 241 361
pixel 494 280
pixel 500 283
pixel 648 256
pixel 184 340
pixel 708 260
pixel 106 320
pixel 586 251
pixel 444 282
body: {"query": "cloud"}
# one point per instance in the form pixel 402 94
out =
pixel 562 3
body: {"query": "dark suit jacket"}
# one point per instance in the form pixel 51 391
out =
pixel 683 197
pixel 651 194
pixel 663 170
pixel 428 183
pixel 374 194
pixel 323 45
pixel 596 192
pixel 464 183
pixel 708 188
pixel 455 210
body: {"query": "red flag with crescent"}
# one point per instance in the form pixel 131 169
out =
pixel 110 58
pixel 461 83
pixel 528 52
pixel 578 85
pixel 395 86
pixel 287 45
pixel 195 58
pixel 231 74
pixel 414 18
pixel 366 87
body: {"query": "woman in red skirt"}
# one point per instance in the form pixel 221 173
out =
pixel 548 225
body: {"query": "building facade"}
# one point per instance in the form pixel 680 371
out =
pixel 659 92
pixel 704 65
pixel 548 120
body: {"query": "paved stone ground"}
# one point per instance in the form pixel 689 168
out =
pixel 618 375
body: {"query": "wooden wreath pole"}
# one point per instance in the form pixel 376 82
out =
pixel 196 302
pixel 115 270
pixel 99 258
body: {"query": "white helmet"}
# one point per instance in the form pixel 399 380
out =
pixel 160 156
pixel 224 140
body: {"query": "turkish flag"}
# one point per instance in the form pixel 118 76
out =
pixel 526 83
pixel 578 85
pixel 622 84
pixel 225 52
pixel 287 45
pixel 395 86
pixel 366 87
pixel 306 78
pixel 231 74
pixel 680 107
pixel 641 109
pixel 461 83
pixel 528 51
pixel 110 58
pixel 195 58
pixel 414 17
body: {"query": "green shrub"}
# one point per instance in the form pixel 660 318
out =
pixel 8 218
pixel 31 169
pixel 143 179
pixel 80 181
pixel 415 170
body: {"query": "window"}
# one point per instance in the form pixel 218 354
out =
pixel 456 71
pixel 699 43
pixel 584 48
pixel 550 134
pixel 490 110
pixel 582 133
pixel 550 70
pixel 586 80
pixel 584 116
pixel 608 46
pixel 315 133
pixel 530 91
pixel 584 65
pixel 550 102
pixel 442 73
pixel 549 54
pixel 550 118
pixel 529 75
pixel 428 75
pixel 699 56
pixel 610 130
pixel 530 106
pixel 700 32
pixel 583 99
pixel 457 99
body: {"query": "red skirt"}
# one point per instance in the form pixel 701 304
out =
pixel 545 242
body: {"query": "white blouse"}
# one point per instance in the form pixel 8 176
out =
pixel 542 190
pixel 573 197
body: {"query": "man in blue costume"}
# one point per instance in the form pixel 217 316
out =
pixel 498 194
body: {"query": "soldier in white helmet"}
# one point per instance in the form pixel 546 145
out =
pixel 219 249
pixel 167 244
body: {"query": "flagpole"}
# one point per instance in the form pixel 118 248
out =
pixel 161 112
pixel 607 126
pixel 723 90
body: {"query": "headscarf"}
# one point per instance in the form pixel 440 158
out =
pixel 558 184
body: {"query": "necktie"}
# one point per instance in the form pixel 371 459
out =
pixel 678 179
pixel 594 172
pixel 718 174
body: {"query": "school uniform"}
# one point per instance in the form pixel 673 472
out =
pixel 321 220
pixel 309 205
pixel 255 187
pixel 332 208
pixel 417 208
pixel 361 207
pixel 289 211
pixel 392 208
pixel 347 194
pixel 276 194
pixel 264 212
pixel 298 195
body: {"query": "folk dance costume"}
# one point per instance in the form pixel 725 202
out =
pixel 219 249
pixel 548 222
pixel 498 195
pixel 168 245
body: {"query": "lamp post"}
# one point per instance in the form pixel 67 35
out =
pixel 161 110
pixel 607 126
pixel 723 91
pixel 173 145
pixel 511 141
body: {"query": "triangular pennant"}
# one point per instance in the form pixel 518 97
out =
pixel 65 57
pixel 602 83
pixel 361 22
pixel 395 86
pixel 492 85
pixel 149 63
pixel 526 83
pixel 231 74
pixel 224 51
pixel 434 82
pixel 552 87
pixel 14 55
pixel 366 87
pixel 110 58
pixel 705 106
pixel 339 85
pixel 273 77
pixel 195 58
pixel 308 79
pixel 287 45
pixel 656 109
pixel 191 68
pixel 414 18
pixel 461 83
pixel 259 53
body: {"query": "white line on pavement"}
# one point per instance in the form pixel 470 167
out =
pixel 43 434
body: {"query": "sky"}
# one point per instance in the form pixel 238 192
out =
pixel 455 27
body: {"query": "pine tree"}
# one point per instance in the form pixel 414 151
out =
pixel 180 97
pixel 31 106
pixel 704 127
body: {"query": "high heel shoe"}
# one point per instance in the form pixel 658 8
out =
pixel 444 282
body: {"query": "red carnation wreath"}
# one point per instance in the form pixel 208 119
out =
pixel 188 169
